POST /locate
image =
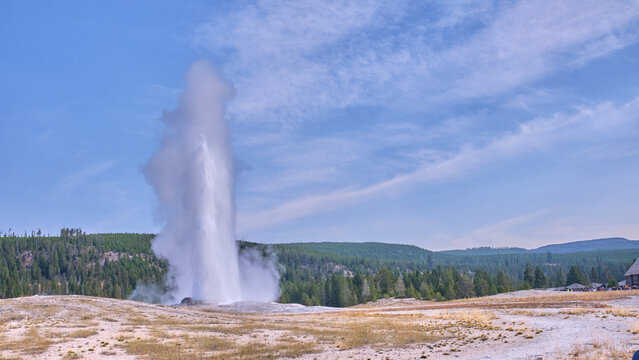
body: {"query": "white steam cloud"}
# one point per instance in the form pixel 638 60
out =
pixel 192 173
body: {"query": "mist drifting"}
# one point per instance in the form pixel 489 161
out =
pixel 193 174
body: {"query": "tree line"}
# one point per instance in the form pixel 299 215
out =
pixel 317 275
pixel 109 265
pixel 440 283
pixel 112 265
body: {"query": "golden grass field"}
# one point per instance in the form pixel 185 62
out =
pixel 594 325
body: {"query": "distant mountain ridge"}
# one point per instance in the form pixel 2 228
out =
pixel 486 250
pixel 613 243
pixel 366 250
pixel 403 252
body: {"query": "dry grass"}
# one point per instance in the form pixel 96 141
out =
pixel 215 348
pixel 84 324
pixel 621 312
pixel 381 333
pixel 155 349
pixel 245 328
pixel 71 355
pixel 575 296
pixel 208 343
pixel 482 318
pixel 83 333
pixel 533 313
pixel 124 337
pixel 138 320
pixel 11 316
pixel 554 299
pixel 288 338
pixel 31 343
pixel 357 334
pixel 375 330
pixel 598 351
pixel 577 311
pixel 257 350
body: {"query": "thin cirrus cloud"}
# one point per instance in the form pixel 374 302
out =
pixel 423 66
pixel 81 177
pixel 589 125
pixel 293 166
pixel 292 61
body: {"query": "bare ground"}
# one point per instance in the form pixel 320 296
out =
pixel 532 325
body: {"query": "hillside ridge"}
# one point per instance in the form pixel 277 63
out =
pixel 603 244
pixel 388 251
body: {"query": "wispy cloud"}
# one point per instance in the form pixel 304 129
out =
pixel 291 61
pixel 590 125
pixel 81 177
pixel 294 166
pixel 423 93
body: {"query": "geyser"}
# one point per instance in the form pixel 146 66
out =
pixel 193 174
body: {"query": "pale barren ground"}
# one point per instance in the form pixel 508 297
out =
pixel 523 325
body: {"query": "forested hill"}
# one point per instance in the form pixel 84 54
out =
pixel 485 250
pixel 77 263
pixel 321 258
pixel 365 250
pixel 336 274
pixel 342 274
pixel 606 244
pixel 590 245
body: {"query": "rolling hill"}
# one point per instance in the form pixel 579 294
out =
pixel 112 265
pixel 607 244
pixel 366 250
pixel 615 243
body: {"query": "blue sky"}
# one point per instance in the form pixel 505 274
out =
pixel 444 125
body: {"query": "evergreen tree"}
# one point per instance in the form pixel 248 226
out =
pixel 483 284
pixel 465 287
pixel 594 276
pixel 366 291
pixel 449 292
pixel 529 276
pixel 560 278
pixel 385 280
pixel 412 293
pixel 305 300
pixel 540 278
pixel 612 282
pixel 400 287
pixel 575 276
pixel 503 284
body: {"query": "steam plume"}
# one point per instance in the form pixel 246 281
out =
pixel 192 173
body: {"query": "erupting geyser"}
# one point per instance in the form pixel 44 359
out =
pixel 193 173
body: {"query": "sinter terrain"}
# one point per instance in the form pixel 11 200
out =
pixel 529 324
